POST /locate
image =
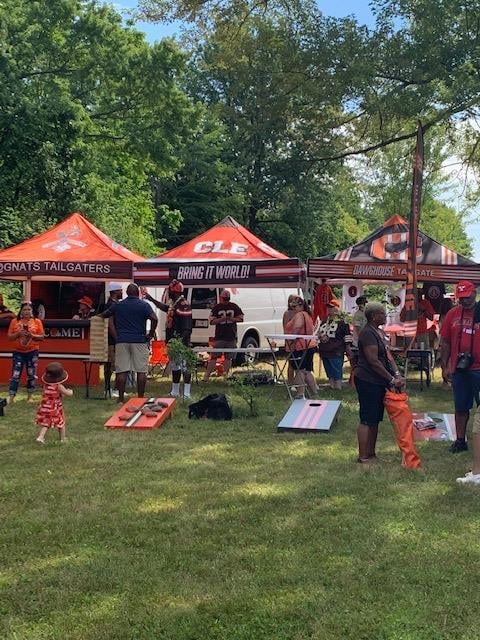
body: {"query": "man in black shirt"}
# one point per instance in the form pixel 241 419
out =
pixel 224 316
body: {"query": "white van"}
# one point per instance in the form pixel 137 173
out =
pixel 263 311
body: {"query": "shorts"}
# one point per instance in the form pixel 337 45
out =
pixel 370 399
pixel 302 360
pixel 224 344
pixel 131 356
pixel 476 421
pixel 466 387
pixel 333 366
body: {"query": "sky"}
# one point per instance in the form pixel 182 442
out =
pixel 337 9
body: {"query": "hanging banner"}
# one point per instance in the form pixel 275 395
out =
pixel 411 297
pixel 288 272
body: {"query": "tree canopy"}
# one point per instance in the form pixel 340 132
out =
pixel 300 125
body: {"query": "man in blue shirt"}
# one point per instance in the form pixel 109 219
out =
pixel 132 340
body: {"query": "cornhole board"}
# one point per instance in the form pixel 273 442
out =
pixel 444 426
pixel 310 416
pixel 137 420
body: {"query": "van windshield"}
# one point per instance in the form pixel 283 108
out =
pixel 203 298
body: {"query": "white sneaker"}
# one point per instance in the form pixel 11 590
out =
pixel 469 478
pixel 174 395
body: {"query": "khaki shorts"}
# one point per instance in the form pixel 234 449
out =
pixel 131 356
pixel 476 421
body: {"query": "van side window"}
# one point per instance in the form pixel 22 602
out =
pixel 204 298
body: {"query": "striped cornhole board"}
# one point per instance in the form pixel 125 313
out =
pixel 310 416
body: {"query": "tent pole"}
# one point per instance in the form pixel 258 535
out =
pixel 27 289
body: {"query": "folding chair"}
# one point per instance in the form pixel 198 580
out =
pixel 158 360
pixel 219 361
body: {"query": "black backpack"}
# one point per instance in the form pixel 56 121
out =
pixel 215 407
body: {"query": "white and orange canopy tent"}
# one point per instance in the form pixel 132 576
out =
pixel 226 254
pixel 72 249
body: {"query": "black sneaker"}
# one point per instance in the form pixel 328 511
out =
pixel 458 446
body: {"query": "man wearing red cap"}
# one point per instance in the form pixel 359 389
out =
pixel 460 357
pixel 178 325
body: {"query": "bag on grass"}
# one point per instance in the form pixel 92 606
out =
pixel 401 418
pixel 214 407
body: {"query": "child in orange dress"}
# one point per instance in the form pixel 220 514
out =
pixel 50 414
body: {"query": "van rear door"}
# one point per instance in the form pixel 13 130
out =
pixel 202 301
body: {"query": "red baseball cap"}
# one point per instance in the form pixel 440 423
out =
pixel 176 286
pixel 465 289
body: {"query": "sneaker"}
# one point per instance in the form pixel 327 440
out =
pixel 469 478
pixel 458 446
pixel 174 395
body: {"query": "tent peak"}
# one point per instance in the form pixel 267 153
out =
pixel 396 219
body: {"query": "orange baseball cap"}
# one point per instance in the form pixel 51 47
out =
pixel 88 302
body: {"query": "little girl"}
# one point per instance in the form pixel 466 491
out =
pixel 50 412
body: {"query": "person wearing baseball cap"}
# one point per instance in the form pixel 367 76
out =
pixel 115 291
pixel 178 325
pixel 460 358
pixel 224 317
pixel 85 308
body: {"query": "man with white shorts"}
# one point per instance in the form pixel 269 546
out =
pixel 132 340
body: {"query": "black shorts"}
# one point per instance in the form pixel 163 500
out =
pixel 370 398
pixel 302 360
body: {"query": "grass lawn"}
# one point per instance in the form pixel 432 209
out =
pixel 204 530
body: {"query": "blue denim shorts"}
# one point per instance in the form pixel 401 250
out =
pixel 466 386
pixel 333 367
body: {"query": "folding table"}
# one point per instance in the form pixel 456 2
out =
pixel 281 368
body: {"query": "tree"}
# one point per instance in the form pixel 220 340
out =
pixel 260 85
pixel 88 111
pixel 385 183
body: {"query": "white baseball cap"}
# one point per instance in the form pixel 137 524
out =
pixel 115 286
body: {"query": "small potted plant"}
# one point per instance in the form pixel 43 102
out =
pixel 179 352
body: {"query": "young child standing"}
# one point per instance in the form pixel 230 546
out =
pixel 50 414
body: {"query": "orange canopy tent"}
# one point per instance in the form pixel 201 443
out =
pixel 225 254
pixel 74 248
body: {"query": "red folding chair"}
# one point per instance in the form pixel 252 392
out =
pixel 220 360
pixel 158 360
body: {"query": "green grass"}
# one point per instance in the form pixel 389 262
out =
pixel 204 530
